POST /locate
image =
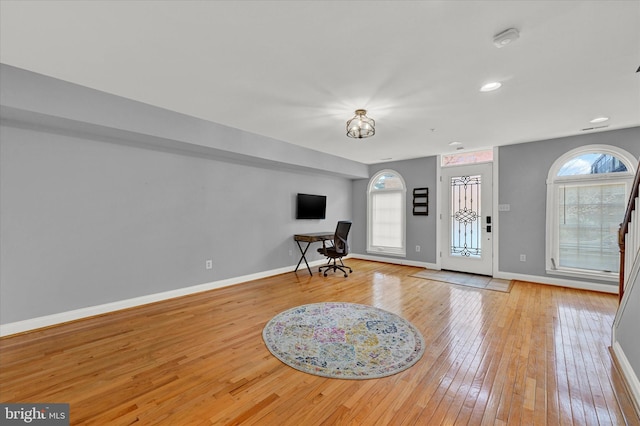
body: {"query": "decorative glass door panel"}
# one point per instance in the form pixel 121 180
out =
pixel 466 243
pixel 466 216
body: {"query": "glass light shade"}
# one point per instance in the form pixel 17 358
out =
pixel 361 126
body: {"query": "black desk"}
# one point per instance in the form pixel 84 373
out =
pixel 310 238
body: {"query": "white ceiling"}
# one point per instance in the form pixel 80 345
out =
pixel 296 70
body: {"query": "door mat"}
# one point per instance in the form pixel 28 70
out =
pixel 468 280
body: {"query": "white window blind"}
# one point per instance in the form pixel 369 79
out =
pixel 386 214
pixel 589 217
pixel 587 191
pixel 387 219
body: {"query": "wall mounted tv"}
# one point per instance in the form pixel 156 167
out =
pixel 311 206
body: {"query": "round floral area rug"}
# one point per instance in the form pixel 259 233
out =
pixel 343 340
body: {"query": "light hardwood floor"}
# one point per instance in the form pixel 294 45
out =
pixel 536 355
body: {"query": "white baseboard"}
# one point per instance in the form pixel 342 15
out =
pixel 560 282
pixel 630 376
pixel 62 317
pixel 396 261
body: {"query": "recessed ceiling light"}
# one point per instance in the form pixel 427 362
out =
pixel 599 119
pixel 491 86
pixel 506 37
pixel 454 143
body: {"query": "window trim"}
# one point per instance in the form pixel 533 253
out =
pixel 390 251
pixel 554 182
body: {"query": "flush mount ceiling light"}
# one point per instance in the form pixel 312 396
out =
pixel 489 87
pixel 454 143
pixel 361 126
pixel 599 119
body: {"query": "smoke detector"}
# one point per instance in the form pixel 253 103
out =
pixel 506 37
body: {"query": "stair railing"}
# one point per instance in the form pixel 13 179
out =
pixel 629 246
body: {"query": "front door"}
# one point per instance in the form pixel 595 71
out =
pixel 466 233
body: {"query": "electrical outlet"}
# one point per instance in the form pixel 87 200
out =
pixel 209 264
pixel 417 248
pixel 523 258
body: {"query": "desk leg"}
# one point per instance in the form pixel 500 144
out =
pixel 304 252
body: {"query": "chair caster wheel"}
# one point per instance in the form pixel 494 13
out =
pixel 325 274
pixel 345 275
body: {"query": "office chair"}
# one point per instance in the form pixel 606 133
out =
pixel 338 250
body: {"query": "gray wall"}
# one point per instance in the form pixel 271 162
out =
pixel 105 199
pixel 421 230
pixel 86 222
pixel 627 332
pixel 523 170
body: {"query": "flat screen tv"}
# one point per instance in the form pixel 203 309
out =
pixel 311 206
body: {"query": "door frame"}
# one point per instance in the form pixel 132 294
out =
pixel 495 216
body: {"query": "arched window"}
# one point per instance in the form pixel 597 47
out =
pixel 386 214
pixel 587 192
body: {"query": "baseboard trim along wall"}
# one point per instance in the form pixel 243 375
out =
pixel 560 282
pixel 631 379
pixel 394 260
pixel 62 317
